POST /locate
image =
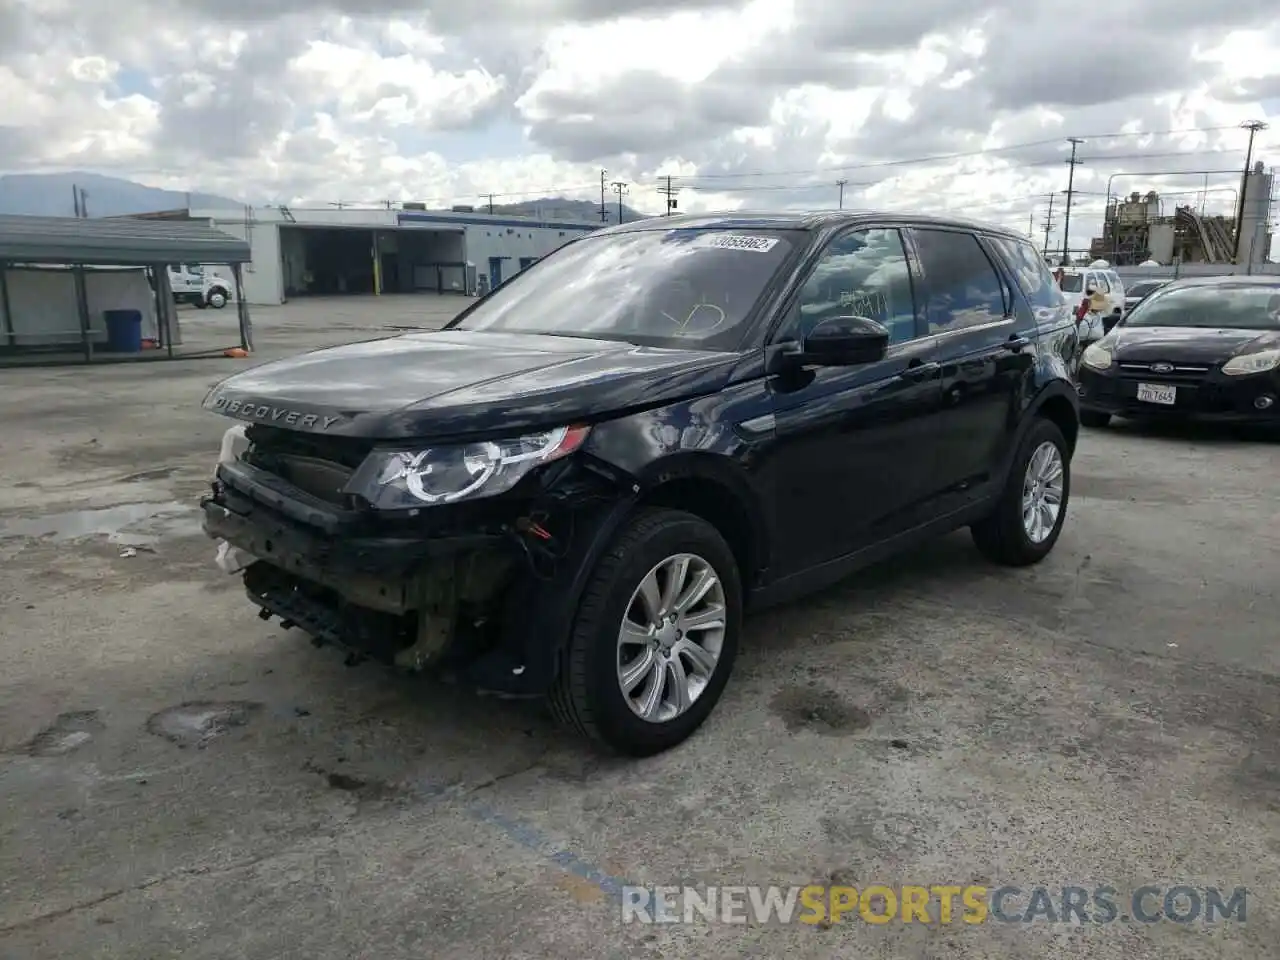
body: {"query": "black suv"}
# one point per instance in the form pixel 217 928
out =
pixel 577 487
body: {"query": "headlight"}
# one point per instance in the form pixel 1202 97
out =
pixel 400 479
pixel 1259 362
pixel 1098 356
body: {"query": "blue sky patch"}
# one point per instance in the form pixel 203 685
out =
pixel 129 81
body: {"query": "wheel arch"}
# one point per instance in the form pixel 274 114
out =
pixel 706 486
pixel 1058 404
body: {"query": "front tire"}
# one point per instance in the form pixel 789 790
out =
pixel 655 636
pixel 217 299
pixel 1028 517
pixel 1096 419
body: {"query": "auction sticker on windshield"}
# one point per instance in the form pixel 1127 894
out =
pixel 735 241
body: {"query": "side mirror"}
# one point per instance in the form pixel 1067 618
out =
pixel 845 342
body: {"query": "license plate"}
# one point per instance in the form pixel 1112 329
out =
pixel 1157 393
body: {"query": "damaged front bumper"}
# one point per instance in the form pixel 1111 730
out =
pixel 470 599
pixel 399 598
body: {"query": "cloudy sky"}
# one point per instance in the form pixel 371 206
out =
pixel 764 104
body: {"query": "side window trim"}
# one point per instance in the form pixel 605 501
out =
pixel 791 301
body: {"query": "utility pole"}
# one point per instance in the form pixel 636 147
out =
pixel 1048 226
pixel 840 184
pixel 1071 181
pixel 1253 126
pixel 670 192
pixel 604 213
pixel 490 203
pixel 1031 221
pixel 78 199
pixel 619 187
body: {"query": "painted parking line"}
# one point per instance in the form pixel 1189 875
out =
pixel 534 840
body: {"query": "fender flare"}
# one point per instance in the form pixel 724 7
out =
pixel 1054 390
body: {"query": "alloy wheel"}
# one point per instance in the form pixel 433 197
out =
pixel 671 636
pixel 1042 492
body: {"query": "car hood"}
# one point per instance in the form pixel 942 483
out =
pixel 456 382
pixel 1197 345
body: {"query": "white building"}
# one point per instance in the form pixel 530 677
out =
pixel 299 252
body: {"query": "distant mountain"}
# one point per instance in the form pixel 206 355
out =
pixel 557 208
pixel 50 195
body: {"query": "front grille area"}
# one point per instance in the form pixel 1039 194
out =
pixel 317 465
pixel 1181 373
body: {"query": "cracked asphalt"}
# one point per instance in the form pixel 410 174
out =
pixel 178 778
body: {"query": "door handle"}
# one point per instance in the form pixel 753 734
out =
pixel 918 370
pixel 1016 344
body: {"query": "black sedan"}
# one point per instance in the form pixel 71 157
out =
pixel 1207 347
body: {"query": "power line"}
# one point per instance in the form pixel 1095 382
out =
pixel 818 184
pixel 959 155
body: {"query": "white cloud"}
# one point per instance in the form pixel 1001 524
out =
pixel 762 103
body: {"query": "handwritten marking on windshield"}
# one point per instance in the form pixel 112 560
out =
pixel 705 324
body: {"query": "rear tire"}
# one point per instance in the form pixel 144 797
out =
pixel 1010 535
pixel 1096 419
pixel 588 691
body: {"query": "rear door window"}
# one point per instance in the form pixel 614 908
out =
pixel 964 288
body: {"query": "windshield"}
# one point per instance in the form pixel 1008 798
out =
pixel 1072 283
pixel 1228 307
pixel 666 288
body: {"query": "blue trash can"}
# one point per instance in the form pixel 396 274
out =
pixel 124 331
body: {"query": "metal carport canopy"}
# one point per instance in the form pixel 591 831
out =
pixel 118 241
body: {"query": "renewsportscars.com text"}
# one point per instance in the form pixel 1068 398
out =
pixel 936 903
